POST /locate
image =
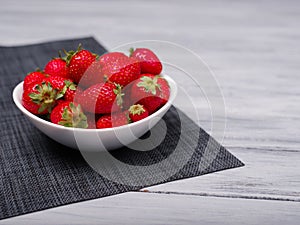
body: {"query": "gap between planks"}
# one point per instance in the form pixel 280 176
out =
pixel 266 198
pixel 263 148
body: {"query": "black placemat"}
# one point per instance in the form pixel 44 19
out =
pixel 37 173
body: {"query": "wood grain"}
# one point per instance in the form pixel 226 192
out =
pixel 149 208
pixel 266 175
pixel 253 49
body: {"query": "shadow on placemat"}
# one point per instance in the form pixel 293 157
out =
pixel 37 173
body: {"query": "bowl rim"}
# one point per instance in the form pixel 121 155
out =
pixel 18 103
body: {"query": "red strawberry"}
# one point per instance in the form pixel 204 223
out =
pixel 114 120
pixel 111 56
pixel 92 120
pixel 150 91
pixel 148 60
pixel 102 98
pixel 78 62
pixel 33 78
pixel 62 85
pixel 39 98
pixel 72 91
pixel 69 115
pixel 137 112
pixel 57 82
pixel 57 67
pixel 120 69
pixel 92 75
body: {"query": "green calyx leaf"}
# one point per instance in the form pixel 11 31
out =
pixel 66 118
pixel 44 96
pixel 73 116
pixel 60 95
pixel 119 95
pixel 60 54
pixel 149 84
pixel 42 108
pixel 35 97
pixel 70 85
pixel 136 109
pixel 96 56
pixel 68 55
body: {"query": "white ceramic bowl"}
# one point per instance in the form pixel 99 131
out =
pixel 96 139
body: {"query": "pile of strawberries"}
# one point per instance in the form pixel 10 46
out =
pixel 84 90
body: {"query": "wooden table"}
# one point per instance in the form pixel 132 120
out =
pixel 252 47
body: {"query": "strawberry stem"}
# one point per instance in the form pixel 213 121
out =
pixel 131 50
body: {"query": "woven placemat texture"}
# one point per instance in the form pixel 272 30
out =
pixel 37 173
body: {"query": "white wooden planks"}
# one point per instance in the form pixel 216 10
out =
pixel 253 48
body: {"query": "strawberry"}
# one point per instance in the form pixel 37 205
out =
pixel 137 112
pixel 39 98
pixel 63 85
pixel 69 115
pixel 58 82
pixel 33 78
pixel 72 91
pixel 92 120
pixel 114 120
pixel 119 68
pixel 78 62
pixel 148 60
pixel 102 98
pixel 111 56
pixel 151 91
pixel 57 67
pixel 92 75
